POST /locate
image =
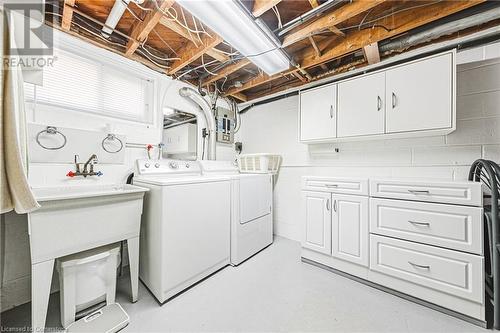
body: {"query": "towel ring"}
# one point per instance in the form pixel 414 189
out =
pixel 111 137
pixel 51 130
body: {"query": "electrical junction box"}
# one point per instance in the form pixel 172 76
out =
pixel 225 120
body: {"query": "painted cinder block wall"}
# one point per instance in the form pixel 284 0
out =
pixel 273 127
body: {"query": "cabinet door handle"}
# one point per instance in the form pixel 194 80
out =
pixel 331 185
pixel 424 224
pixel 379 103
pixel 327 204
pixel 335 206
pixel 419 191
pixel 331 111
pixel 419 266
pixel 394 100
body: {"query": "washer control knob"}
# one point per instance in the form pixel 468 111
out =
pixel 147 165
pixel 188 166
pixel 173 165
pixel 157 165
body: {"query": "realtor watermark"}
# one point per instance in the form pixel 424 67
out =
pixel 31 41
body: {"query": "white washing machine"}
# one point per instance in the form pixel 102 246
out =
pixel 185 230
pixel 251 210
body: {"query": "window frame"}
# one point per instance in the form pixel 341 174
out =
pixel 107 59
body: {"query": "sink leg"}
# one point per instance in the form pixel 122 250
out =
pixel 41 277
pixel 133 257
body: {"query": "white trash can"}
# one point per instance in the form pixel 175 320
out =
pixel 87 278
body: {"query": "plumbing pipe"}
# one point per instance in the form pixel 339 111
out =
pixel 309 15
pixel 114 16
pixel 441 30
pixel 196 98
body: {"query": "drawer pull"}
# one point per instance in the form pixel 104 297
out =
pixel 331 185
pixel 419 266
pixel 419 191
pixel 424 224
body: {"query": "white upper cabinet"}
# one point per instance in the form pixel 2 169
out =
pixel 361 106
pixel 420 95
pixel 407 100
pixel 318 119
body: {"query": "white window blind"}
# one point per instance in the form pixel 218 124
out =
pixel 81 84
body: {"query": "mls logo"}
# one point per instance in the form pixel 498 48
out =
pixel 32 36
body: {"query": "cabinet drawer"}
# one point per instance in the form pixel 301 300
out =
pixel 455 227
pixel 356 186
pixel 460 193
pixel 452 272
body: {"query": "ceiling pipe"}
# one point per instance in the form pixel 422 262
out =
pixel 430 34
pixel 114 16
pixel 309 15
pixel 196 98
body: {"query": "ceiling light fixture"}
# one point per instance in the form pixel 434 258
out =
pixel 228 19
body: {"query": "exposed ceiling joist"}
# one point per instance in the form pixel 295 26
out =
pixel 240 96
pixel 262 6
pixel 300 77
pixel 141 30
pixel 181 31
pixel 67 14
pixel 258 80
pixel 330 20
pixel 335 30
pixel 371 52
pixel 193 52
pixel 403 21
pixel 226 71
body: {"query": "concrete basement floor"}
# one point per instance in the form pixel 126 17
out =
pixel 273 291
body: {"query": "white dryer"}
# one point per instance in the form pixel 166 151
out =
pixel 251 209
pixel 185 230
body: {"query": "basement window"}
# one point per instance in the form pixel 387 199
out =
pixel 87 85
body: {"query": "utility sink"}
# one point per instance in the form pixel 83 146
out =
pixel 43 194
pixel 78 218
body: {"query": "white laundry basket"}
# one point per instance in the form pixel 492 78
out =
pixel 86 279
pixel 259 163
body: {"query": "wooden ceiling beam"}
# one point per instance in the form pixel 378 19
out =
pixel 67 14
pixel 141 30
pixel 258 80
pixel 334 29
pixel 240 96
pixel 193 52
pixel 226 71
pixel 330 20
pixel 181 31
pixel 371 52
pixel 403 22
pixel 262 6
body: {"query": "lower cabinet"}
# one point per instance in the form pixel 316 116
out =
pixel 424 239
pixel 336 225
pixel 350 228
pixel 317 214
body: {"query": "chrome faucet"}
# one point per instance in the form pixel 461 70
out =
pixel 86 171
pixel 92 159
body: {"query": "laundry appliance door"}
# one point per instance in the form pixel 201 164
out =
pixel 255 197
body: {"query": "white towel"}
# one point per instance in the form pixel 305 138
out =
pixel 14 188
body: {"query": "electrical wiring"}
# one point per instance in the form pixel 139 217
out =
pixel 196 28
pixel 204 66
pixel 189 32
pixel 195 68
pixel 165 42
pixel 278 16
pixel 175 18
pixel 98 35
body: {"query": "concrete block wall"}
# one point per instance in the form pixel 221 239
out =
pixel 273 128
